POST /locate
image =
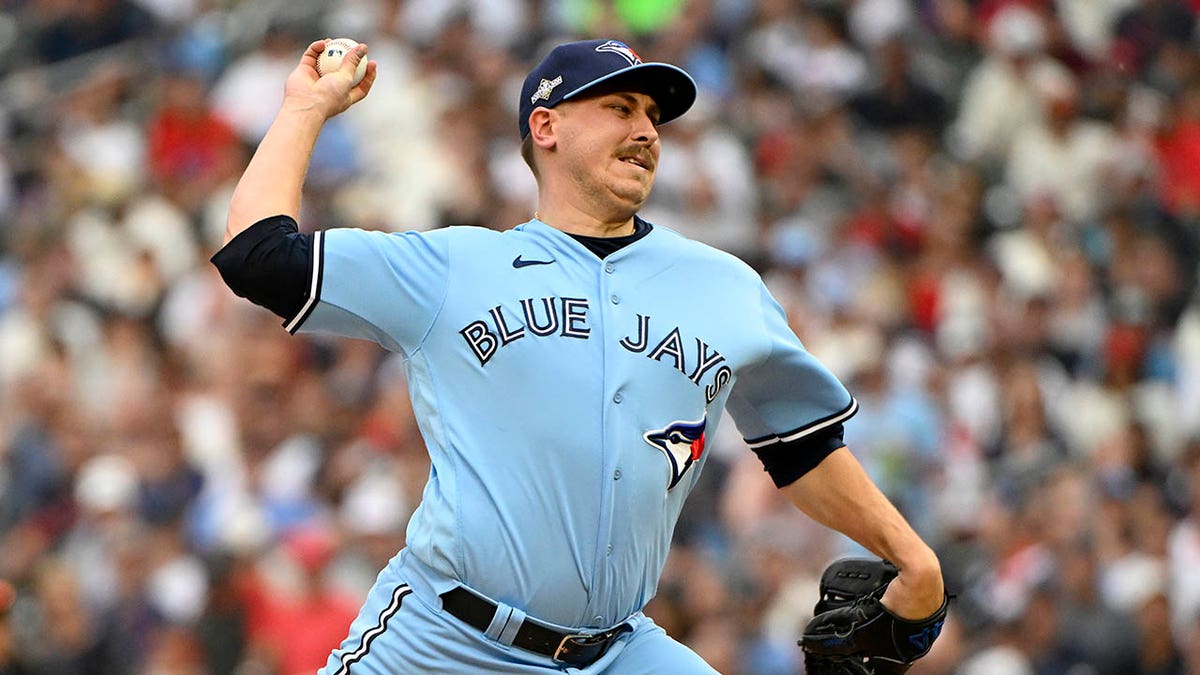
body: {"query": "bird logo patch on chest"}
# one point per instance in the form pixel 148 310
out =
pixel 682 443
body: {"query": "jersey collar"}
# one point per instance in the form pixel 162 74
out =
pixel 562 240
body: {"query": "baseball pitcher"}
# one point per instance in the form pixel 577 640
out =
pixel 565 375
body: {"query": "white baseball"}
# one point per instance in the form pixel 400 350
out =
pixel 331 58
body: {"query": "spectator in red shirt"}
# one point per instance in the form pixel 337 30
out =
pixel 190 148
pixel 1178 150
pixel 294 625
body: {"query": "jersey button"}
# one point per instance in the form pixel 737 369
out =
pixel 617 397
pixel 608 267
pixel 616 300
pixel 617 475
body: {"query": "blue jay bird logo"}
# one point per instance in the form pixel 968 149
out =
pixel 682 443
pixel 925 638
pixel 621 49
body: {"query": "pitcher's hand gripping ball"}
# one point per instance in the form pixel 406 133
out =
pixel 852 633
pixel 331 58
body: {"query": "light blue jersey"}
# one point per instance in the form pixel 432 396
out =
pixel 564 399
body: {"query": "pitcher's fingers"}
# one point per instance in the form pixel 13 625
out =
pixel 310 55
pixel 352 58
pixel 360 90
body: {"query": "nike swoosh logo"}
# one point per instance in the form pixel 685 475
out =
pixel 518 263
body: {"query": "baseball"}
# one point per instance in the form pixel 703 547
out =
pixel 331 59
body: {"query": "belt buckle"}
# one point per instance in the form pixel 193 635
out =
pixel 580 640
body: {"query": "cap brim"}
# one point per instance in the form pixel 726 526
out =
pixel 671 87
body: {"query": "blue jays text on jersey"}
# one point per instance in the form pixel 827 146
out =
pixel 565 399
pixel 486 337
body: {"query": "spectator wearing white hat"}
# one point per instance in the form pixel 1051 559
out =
pixel 999 97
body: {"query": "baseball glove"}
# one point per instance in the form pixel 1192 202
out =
pixel 852 633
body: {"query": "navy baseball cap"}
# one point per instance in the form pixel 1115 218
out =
pixel 571 69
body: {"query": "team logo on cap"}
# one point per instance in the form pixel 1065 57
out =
pixel 544 89
pixel 682 443
pixel 621 49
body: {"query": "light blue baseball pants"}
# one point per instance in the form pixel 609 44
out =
pixel 402 629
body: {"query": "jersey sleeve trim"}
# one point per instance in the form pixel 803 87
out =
pixel 800 432
pixel 785 463
pixel 314 291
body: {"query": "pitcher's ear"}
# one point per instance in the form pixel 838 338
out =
pixel 541 127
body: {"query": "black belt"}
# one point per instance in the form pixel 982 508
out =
pixel 570 648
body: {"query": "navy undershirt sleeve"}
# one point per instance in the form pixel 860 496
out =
pixel 788 461
pixel 269 264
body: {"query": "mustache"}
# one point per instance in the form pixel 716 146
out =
pixel 638 152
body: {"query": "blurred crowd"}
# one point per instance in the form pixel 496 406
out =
pixel 982 215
